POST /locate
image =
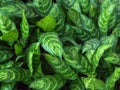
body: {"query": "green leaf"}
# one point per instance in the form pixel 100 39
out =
pixel 7 86
pixel 81 34
pixel 48 83
pixel 5 55
pixel 8 64
pixel 76 85
pixel 93 84
pixel 14 75
pixel 67 3
pixel 89 26
pixel 51 43
pixel 91 44
pixel 32 56
pixel 74 16
pixel 10 36
pixel 8 29
pixel 60 67
pixel 116 30
pixel 24 30
pixel 59 17
pixel 38 72
pixel 90 47
pixel 98 54
pixel 106 16
pixel 43 6
pixel 110 81
pixel 76 61
pixel 15 8
pixel 48 23
pixel 112 39
pixel 113 58
pixel 85 5
pixel 94 8
pixel 18 48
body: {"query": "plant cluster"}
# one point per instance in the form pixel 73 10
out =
pixel 59 44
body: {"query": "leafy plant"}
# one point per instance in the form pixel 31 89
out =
pixel 59 44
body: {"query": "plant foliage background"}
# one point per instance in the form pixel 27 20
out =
pixel 59 45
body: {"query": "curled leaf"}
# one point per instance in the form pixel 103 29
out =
pixel 33 56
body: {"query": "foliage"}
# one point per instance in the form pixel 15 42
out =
pixel 59 44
